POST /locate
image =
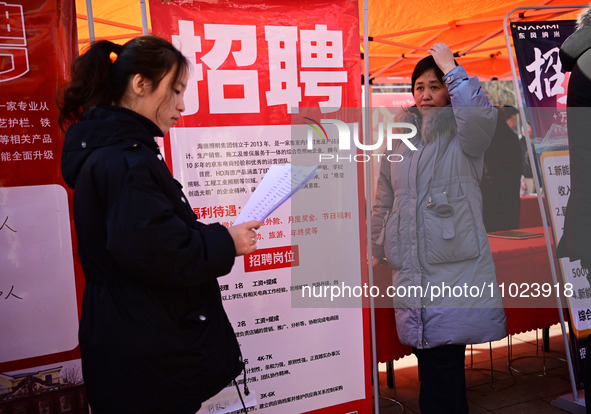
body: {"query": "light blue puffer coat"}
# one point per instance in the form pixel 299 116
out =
pixel 432 247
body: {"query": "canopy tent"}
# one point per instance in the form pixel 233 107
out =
pixel 399 33
pixel 400 36
pixel 115 20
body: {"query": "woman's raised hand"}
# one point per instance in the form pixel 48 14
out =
pixel 245 237
pixel 443 56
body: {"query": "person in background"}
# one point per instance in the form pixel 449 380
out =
pixel 501 180
pixel 427 223
pixel 575 243
pixel 527 170
pixel 510 114
pixel 154 336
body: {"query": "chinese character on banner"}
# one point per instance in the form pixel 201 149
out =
pixel 261 69
pixel 15 60
pixel 231 90
pixel 549 66
pixel 544 81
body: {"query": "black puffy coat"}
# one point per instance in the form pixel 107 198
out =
pixel 154 336
pixel 501 180
pixel 575 55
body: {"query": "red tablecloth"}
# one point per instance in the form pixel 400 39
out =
pixel 388 347
pixel 529 213
pixel 519 263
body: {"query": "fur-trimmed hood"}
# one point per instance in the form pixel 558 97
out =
pixel 439 123
pixel 578 43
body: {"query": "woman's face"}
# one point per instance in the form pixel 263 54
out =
pixel 164 105
pixel 429 92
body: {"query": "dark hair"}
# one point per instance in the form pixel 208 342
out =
pixel 423 66
pixel 96 80
pixel 507 111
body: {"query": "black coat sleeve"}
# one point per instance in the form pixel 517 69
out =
pixel 151 231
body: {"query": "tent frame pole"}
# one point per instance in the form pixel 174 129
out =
pixel 367 140
pixel 144 17
pixel 90 20
pixel 520 102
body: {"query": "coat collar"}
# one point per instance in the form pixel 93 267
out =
pixel 440 123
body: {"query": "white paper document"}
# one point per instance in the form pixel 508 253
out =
pixel 278 185
pixel 227 401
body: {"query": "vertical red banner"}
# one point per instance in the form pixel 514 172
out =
pixel 37 43
pixel 40 282
pixel 258 62
pixel 264 74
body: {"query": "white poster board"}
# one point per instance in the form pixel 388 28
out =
pixel 295 356
pixel 37 289
pixel 556 170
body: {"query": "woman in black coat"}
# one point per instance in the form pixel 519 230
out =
pixel 501 179
pixel 575 55
pixel 154 336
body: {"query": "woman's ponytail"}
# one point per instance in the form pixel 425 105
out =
pixel 96 80
pixel 90 84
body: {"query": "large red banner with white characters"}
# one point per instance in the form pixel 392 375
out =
pixel 41 281
pixel 256 63
pixel 258 70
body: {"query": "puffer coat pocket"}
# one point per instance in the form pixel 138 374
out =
pixel 451 236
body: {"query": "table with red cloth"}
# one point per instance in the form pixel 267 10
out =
pixel 518 263
pixel 529 213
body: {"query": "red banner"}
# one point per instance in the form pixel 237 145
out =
pixel 257 62
pixel 41 281
pixel 34 59
pixel 257 67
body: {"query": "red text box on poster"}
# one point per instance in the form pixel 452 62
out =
pixel 272 258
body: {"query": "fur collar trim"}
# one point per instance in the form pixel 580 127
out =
pixel 439 123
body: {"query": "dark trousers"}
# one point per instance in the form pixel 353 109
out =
pixel 443 380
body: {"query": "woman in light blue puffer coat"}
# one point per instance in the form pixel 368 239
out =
pixel 427 223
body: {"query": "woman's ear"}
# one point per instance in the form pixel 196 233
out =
pixel 139 84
